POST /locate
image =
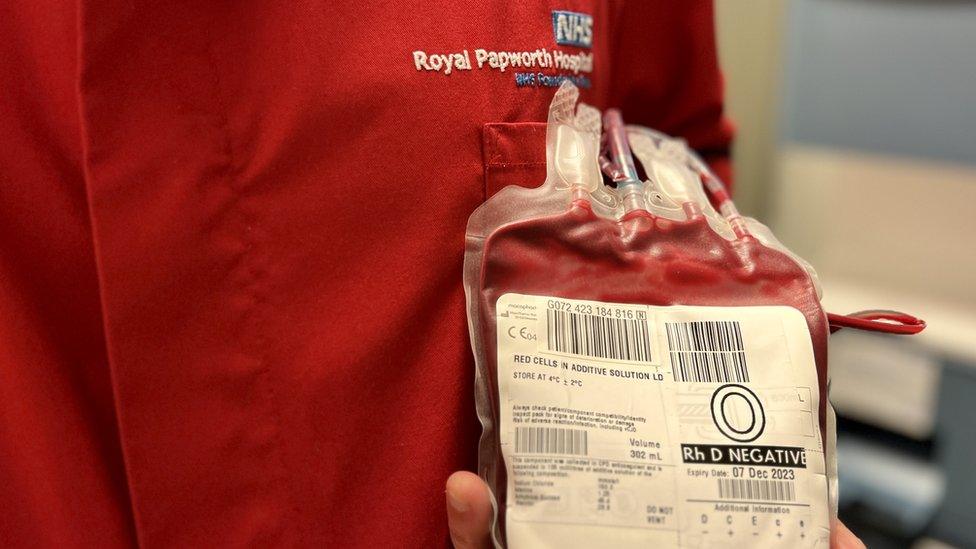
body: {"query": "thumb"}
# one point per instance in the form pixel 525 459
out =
pixel 468 511
pixel 842 538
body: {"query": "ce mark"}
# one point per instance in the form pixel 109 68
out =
pixel 522 332
pixel 737 412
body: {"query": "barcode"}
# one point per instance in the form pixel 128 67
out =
pixel 707 351
pixel 550 440
pixel 599 337
pixel 756 489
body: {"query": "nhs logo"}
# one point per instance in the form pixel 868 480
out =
pixel 572 28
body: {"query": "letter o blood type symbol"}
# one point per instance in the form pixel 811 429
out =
pixel 737 413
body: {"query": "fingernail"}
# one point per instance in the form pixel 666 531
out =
pixel 456 503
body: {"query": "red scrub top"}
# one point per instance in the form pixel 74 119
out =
pixel 231 237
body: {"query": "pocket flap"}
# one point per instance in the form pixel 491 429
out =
pixel 514 153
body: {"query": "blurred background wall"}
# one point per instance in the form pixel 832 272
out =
pixel 856 123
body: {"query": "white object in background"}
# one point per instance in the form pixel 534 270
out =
pixel 885 382
pixel 951 325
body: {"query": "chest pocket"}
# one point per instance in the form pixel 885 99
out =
pixel 514 153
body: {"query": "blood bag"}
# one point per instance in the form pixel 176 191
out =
pixel 651 370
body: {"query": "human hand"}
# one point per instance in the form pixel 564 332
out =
pixel 468 511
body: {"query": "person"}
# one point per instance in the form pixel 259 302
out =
pixel 231 234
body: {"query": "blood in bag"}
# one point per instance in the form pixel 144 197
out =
pixel 659 361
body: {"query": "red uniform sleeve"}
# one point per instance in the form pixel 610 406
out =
pixel 688 102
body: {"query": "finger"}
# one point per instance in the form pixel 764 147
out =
pixel 468 511
pixel 842 538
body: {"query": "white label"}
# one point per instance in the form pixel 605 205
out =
pixel 636 426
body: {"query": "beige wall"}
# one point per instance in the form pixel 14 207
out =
pixel 882 230
pixel 750 50
pixel 903 224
